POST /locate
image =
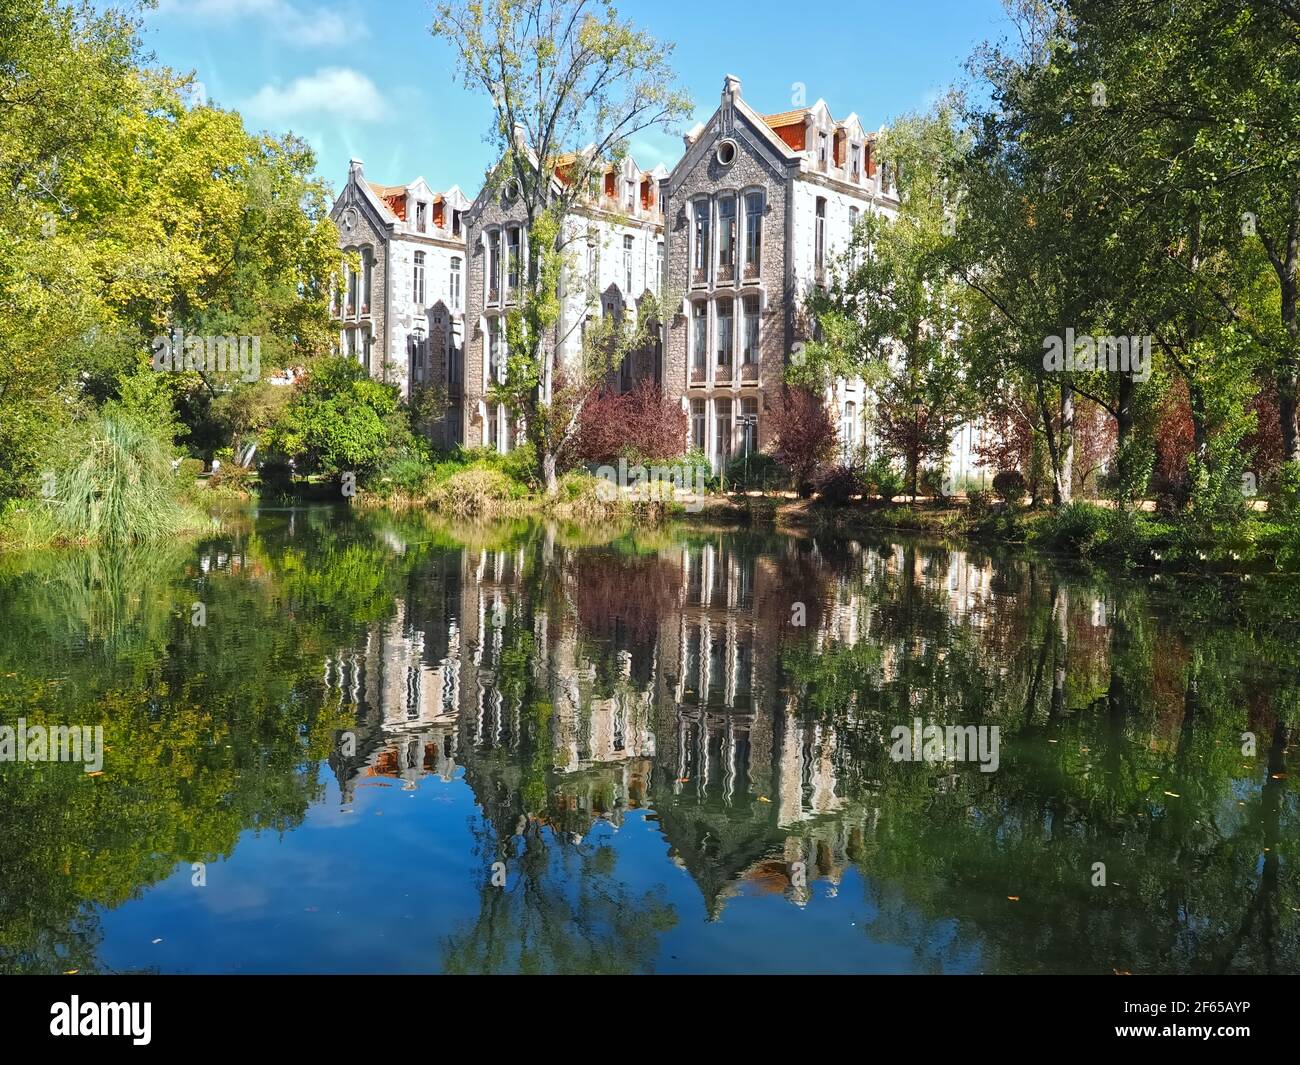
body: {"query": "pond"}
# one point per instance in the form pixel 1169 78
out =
pixel 335 742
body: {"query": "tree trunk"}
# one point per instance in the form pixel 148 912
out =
pixel 1123 433
pixel 549 477
pixel 1066 473
pixel 1288 411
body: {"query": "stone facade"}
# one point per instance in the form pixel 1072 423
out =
pixel 754 216
pixel 757 210
pixel 614 237
pixel 400 311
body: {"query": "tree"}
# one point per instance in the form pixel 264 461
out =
pixel 641 424
pixel 570 82
pixel 892 312
pixel 803 435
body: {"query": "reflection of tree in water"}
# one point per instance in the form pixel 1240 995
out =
pixel 1124 750
pixel 210 730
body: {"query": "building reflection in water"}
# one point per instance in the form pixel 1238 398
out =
pixel 661 690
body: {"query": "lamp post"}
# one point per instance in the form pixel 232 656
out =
pixel 748 421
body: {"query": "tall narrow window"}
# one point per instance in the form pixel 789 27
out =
pixel 726 337
pixel 753 232
pixel 722 432
pixel 494 267
pixel 491 429
pixel 455 283
pixel 855 162
pixel 496 352
pixel 352 293
pixel 701 273
pixel 748 426
pixel 698 424
pixel 629 195
pixel 367 273
pixel 512 259
pixel 699 340
pixel 822 149
pixel 422 217
pixel 749 348
pixel 659 268
pixel 727 238
pixel 819 254
pixel 455 223
pixel 417 278
pixel 628 243
pixel 848 432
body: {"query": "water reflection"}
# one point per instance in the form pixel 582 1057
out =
pixel 730 696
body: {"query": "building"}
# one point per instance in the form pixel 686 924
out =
pixel 400 304
pixel 615 241
pixel 756 212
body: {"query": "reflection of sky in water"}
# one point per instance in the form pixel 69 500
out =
pixel 675 777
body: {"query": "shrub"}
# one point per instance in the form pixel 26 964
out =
pixel 803 435
pixel 276 478
pixel 838 484
pixel 475 490
pixel 115 485
pixel 881 478
pixel 641 424
pixel 758 471
pixel 1010 485
pixel 979 504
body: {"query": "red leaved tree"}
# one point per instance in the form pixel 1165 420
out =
pixel 641 424
pixel 803 435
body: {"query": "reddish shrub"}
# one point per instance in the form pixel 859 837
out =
pixel 803 435
pixel 643 423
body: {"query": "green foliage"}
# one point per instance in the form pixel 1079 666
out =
pixel 340 420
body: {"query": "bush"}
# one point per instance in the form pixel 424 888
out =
pixel 803 435
pixel 409 474
pixel 1010 485
pixel 759 471
pixel 1088 530
pixel 838 485
pixel 475 490
pixel 115 485
pixel 880 478
pixel 979 504
pixel 638 425
pixel 276 478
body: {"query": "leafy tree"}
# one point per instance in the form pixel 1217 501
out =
pixel 571 82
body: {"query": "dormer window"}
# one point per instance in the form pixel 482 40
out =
pixel 422 216
pixel 455 223
pixel 855 162
pixel 823 148
pixel 629 190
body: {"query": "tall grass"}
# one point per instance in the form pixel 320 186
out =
pixel 113 485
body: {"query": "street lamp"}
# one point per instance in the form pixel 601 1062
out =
pixel 748 421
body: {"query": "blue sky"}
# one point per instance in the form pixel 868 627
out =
pixel 365 78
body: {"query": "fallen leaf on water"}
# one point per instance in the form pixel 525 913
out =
pixel 764 798
pixel 1014 898
pixel 1279 776
pixel 1174 794
pixel 71 972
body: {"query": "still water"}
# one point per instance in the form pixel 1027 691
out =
pixel 377 744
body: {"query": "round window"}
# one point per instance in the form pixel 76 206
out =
pixel 726 153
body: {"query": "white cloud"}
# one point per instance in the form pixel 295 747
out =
pixel 305 27
pixel 337 91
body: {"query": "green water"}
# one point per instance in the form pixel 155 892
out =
pixel 387 745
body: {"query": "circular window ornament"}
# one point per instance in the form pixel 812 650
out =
pixel 726 153
pixel 511 191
